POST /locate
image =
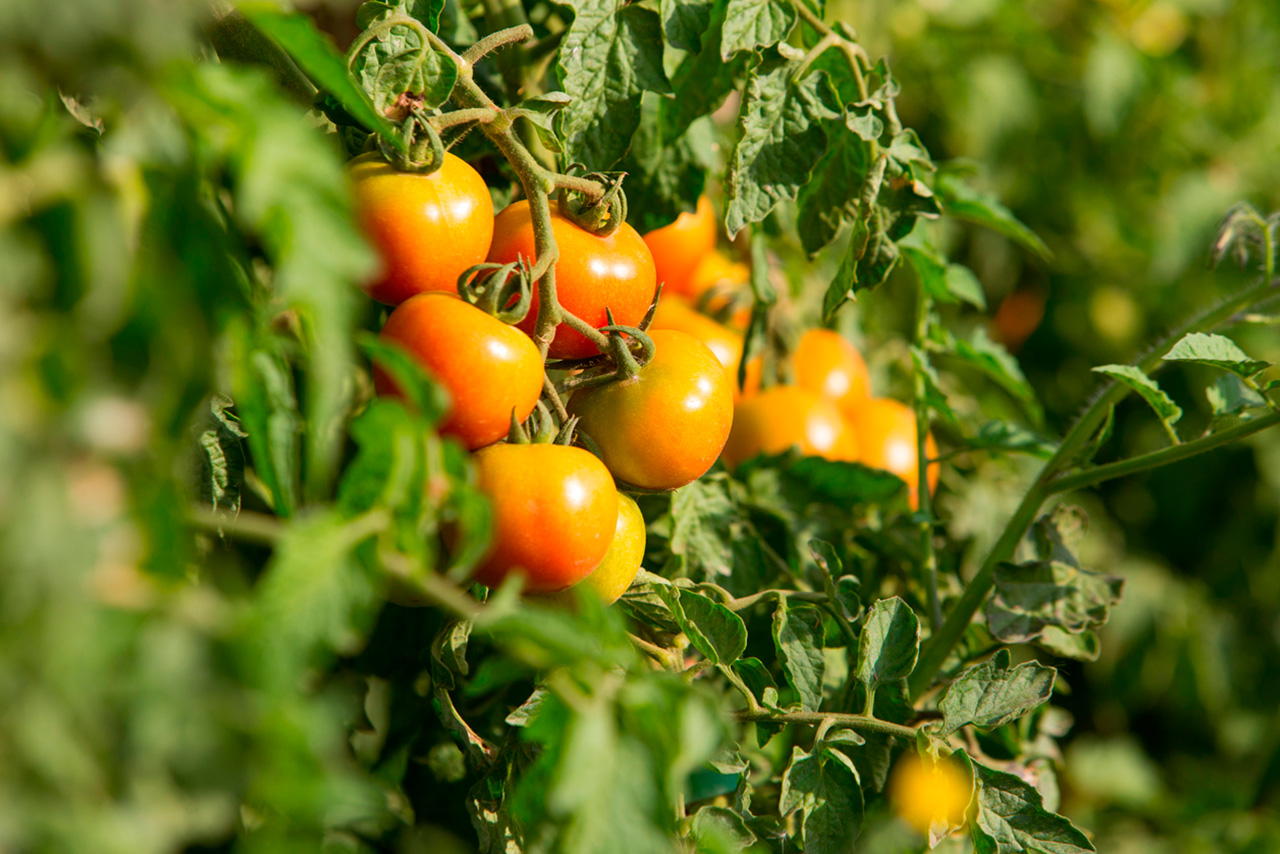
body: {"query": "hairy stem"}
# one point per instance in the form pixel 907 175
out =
pixel 855 722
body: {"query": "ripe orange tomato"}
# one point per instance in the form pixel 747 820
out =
pixel 664 427
pixel 1018 316
pixel 488 367
pixel 427 229
pixel 677 248
pixel 674 313
pixel 776 418
pixel 827 363
pixel 886 433
pixel 621 563
pixel 924 792
pixel 592 273
pixel 555 510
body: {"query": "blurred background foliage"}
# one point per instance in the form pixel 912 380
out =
pixel 142 713
pixel 1120 131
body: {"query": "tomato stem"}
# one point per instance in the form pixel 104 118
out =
pixel 855 722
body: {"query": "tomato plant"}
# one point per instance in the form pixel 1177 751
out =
pixel 427 229
pixel 665 426
pixel 781 417
pixel 555 511
pixel 593 273
pixel 490 370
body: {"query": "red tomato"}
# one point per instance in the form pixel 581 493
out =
pixel 555 510
pixel 828 364
pixel 674 313
pixel 886 433
pixel 677 248
pixel 488 367
pixel 779 417
pixel 621 563
pixel 427 229
pixel 1017 317
pixel 666 426
pixel 592 274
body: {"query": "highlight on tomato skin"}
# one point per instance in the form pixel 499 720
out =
pixel 676 314
pixel 826 362
pixel 555 514
pixel 886 431
pixel 781 417
pixel 924 793
pixel 593 274
pixel 490 369
pixel 427 229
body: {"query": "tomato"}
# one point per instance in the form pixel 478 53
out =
pixel 621 564
pixel 427 229
pixel 488 367
pixel 677 248
pixel 730 279
pixel 779 417
pixel 1017 317
pixel 886 433
pixel 555 510
pixel 592 273
pixel 664 427
pixel 923 792
pixel 674 313
pixel 828 364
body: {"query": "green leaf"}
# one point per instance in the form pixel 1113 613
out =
pixel 714 630
pixel 1011 818
pixel 1166 410
pixel 1230 396
pixel 705 522
pixel 702 81
pixel 1216 351
pixel 397 63
pixel 665 179
pixel 222 461
pixel 685 22
pixel 645 601
pixel 842 483
pixel 889 643
pixel 720 829
pixel 1043 593
pixel 992 693
pixel 610 55
pixel 963 202
pixel 832 196
pixel 317 56
pixel 1004 436
pixel 825 788
pixel 869 258
pixel 758 679
pixel 798 637
pixel 934 397
pixel 907 149
pixel 997 363
pixel 752 24
pixel 542 112
pixel 1082 646
pixel 943 282
pixel 780 138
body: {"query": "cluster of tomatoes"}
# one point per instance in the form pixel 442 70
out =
pixel 559 516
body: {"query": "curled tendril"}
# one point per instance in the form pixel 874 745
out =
pixel 502 290
pixel 602 216
pixel 425 148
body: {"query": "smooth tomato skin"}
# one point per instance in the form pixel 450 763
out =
pixel 665 427
pixel 923 792
pixel 679 247
pixel 674 313
pixel 779 417
pixel 555 510
pixel 886 431
pixel 488 367
pixel 730 278
pixel 592 274
pixel 621 564
pixel 827 363
pixel 427 229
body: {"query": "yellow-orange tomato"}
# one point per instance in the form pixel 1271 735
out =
pixel 886 433
pixel 777 418
pixel 677 248
pixel 592 273
pixel 923 792
pixel 555 510
pixel 621 563
pixel 664 427
pixel 427 229
pixel 827 363
pixel 488 367
pixel 675 313
pixel 731 281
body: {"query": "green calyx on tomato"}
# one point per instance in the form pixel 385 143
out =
pixel 593 274
pixel 427 228
pixel 664 427
pixel 555 514
pixel 492 371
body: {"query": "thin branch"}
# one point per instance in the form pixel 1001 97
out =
pixel 855 722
